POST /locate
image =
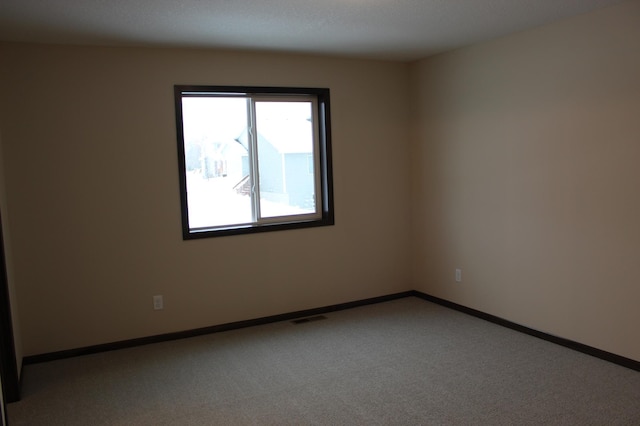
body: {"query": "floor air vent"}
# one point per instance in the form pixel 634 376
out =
pixel 309 319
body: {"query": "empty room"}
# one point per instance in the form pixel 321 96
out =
pixel 341 212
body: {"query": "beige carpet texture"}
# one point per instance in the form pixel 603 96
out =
pixel 402 362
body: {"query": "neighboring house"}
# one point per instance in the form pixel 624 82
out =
pixel 286 166
pixel 212 158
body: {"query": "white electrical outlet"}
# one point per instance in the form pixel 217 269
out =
pixel 158 302
pixel 458 275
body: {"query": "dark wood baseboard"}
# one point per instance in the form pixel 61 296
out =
pixel 87 350
pixel 586 349
pixel 589 350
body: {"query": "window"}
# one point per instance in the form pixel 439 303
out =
pixel 253 159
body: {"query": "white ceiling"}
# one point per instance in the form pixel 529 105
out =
pixel 383 29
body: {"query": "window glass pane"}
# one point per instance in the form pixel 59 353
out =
pixel 216 160
pixel 285 144
pixel 253 159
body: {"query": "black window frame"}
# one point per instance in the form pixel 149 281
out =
pixel 326 208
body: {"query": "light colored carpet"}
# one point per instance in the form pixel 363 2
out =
pixel 404 362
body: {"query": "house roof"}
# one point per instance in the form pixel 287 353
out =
pixel 286 136
pixel 398 30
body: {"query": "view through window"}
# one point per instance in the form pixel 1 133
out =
pixel 253 159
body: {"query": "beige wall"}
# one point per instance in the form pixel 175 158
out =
pixel 526 176
pixel 524 154
pixel 92 180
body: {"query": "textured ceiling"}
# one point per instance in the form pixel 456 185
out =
pixel 384 29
